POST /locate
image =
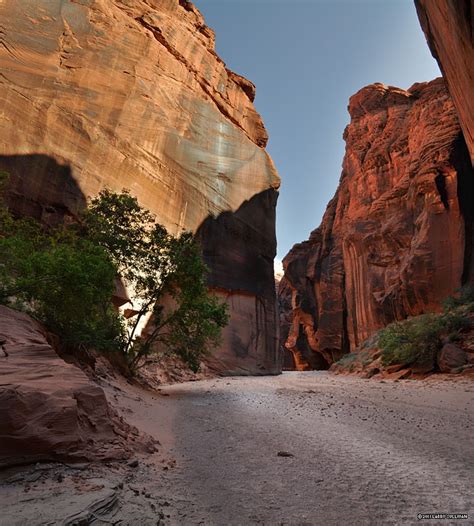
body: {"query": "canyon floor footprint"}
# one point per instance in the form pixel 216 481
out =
pixel 296 449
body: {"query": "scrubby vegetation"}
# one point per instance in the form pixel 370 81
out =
pixel 65 277
pixel 347 360
pixel 414 342
pixel 417 340
pixel 354 359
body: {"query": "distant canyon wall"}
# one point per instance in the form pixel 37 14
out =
pixel 449 29
pixel 131 94
pixel 396 239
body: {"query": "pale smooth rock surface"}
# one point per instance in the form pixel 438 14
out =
pixel 131 94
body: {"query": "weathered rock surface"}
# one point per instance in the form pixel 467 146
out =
pixel 449 30
pixel 250 341
pixel 397 237
pixel 451 357
pixel 131 94
pixel 50 409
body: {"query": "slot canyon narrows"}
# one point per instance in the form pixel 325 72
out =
pixel 180 343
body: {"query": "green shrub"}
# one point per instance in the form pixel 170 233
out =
pixel 370 342
pixel 65 277
pixel 64 281
pixel 353 360
pixel 365 358
pixel 464 297
pixel 456 320
pixel 347 360
pixel 417 340
pixel 413 341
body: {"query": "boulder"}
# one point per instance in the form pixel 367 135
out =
pixel 451 357
pixel 49 409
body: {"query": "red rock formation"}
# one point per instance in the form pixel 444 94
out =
pixel 131 93
pixel 50 409
pixel 449 30
pixel 451 358
pixel 397 237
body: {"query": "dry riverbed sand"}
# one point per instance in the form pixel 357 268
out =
pixel 296 449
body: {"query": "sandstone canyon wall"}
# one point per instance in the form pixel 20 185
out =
pixel 449 29
pixel 397 237
pixel 131 94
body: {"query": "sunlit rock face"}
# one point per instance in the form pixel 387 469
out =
pixel 131 94
pixel 449 30
pixel 397 237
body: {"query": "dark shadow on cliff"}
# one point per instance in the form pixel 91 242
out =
pixel 239 247
pixel 42 188
pixel 461 161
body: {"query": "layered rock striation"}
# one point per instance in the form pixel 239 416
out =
pixel 397 237
pixel 131 94
pixel 449 30
pixel 50 410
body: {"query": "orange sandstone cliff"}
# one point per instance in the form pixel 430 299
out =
pixel 449 30
pixel 397 237
pixel 131 94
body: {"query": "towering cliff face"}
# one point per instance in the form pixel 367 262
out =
pixel 449 30
pixel 131 94
pixel 397 237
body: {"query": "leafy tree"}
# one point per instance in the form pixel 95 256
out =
pixel 64 281
pixel 65 278
pixel 167 278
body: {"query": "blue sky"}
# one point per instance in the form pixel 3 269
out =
pixel 307 57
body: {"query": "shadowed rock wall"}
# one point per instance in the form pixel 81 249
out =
pixel 131 94
pixel 239 248
pixel 397 237
pixel 39 187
